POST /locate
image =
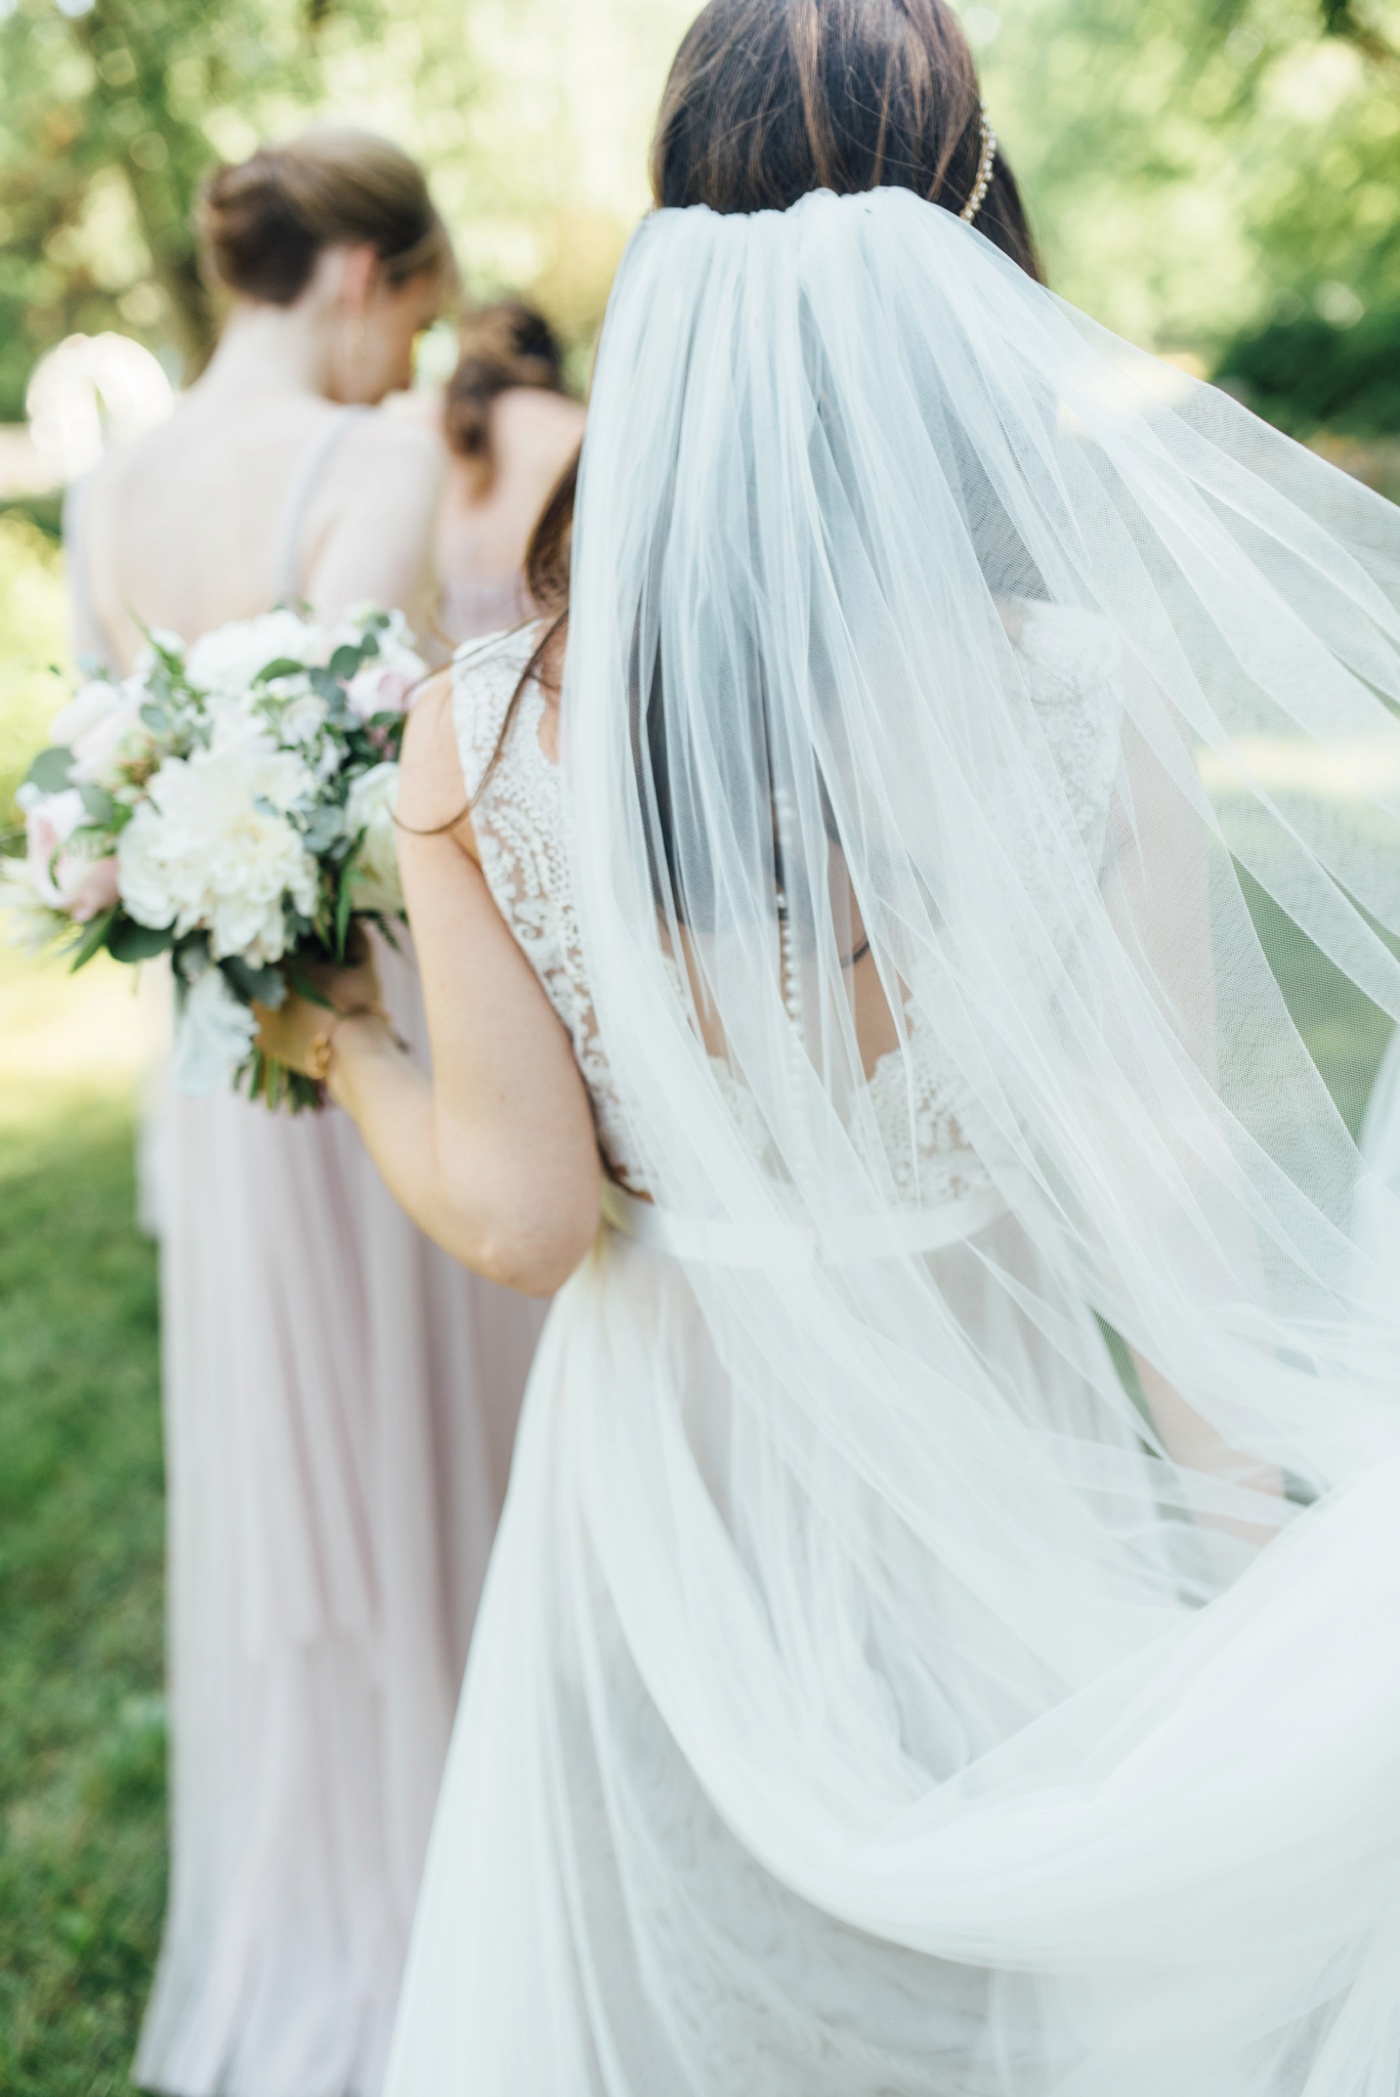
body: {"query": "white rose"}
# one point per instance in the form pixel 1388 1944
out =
pixel 213 1036
pixel 374 873
pixel 228 659
pixel 397 662
pixel 111 745
pixel 381 688
pixel 396 646
pixel 213 847
pixel 91 703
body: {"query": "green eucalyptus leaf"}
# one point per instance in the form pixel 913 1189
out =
pixel 345 661
pixel 343 908
pixel 266 985
pixel 99 804
pixel 283 666
pixel 131 942
pixel 50 769
pixel 323 829
pixel 94 938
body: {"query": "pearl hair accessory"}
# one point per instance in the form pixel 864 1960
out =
pixel 985 166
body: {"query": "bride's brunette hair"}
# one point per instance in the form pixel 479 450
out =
pixel 768 100
pixel 263 222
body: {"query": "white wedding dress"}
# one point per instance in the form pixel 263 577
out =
pixel 1379 1229
pixel 941 1641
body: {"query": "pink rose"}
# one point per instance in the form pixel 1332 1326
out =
pixel 49 822
pixel 65 877
pixel 379 688
pixel 90 886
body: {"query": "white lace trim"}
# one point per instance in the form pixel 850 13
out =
pixel 520 822
pixel 520 818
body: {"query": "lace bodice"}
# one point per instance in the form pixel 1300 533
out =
pixel 520 825
pixel 520 819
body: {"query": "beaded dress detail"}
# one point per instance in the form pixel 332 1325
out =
pixel 520 824
pixel 917 1112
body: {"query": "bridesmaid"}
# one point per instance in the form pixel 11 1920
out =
pixel 510 428
pixel 340 1397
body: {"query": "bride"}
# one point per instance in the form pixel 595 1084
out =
pixel 942 1632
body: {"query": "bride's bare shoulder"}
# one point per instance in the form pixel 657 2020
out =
pixel 433 795
pixel 454 729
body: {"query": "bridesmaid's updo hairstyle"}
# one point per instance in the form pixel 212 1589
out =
pixel 263 222
pixel 504 345
pixel 770 99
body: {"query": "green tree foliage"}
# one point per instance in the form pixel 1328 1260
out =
pixel 531 117
pixel 1207 175
pixel 112 111
pixel 1203 169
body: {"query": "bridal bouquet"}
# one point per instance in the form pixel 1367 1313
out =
pixel 231 804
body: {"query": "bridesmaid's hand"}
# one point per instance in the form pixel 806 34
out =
pixel 298 1032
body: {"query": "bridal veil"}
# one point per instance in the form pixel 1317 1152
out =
pixel 944 1636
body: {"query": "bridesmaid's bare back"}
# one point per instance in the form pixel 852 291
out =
pixel 188 527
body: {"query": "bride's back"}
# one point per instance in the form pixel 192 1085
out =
pixel 274 478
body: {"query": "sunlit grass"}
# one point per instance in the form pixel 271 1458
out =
pixel 81 1717
pixel 32 646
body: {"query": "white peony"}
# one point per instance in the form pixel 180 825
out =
pixel 213 847
pixel 228 659
pixel 374 873
pixel 213 1036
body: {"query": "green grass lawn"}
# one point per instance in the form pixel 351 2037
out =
pixel 82 1741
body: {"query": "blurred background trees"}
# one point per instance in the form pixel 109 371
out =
pixel 1219 179
pixel 110 116
pixel 532 115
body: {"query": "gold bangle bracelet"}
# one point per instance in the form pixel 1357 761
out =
pixel 321 1044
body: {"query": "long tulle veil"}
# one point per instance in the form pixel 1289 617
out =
pixel 965 720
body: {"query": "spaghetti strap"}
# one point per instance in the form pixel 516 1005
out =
pixel 286 573
pixel 89 635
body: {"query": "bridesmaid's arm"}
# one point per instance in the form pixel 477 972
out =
pixel 495 1158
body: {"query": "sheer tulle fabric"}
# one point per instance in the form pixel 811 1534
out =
pixel 937 1647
